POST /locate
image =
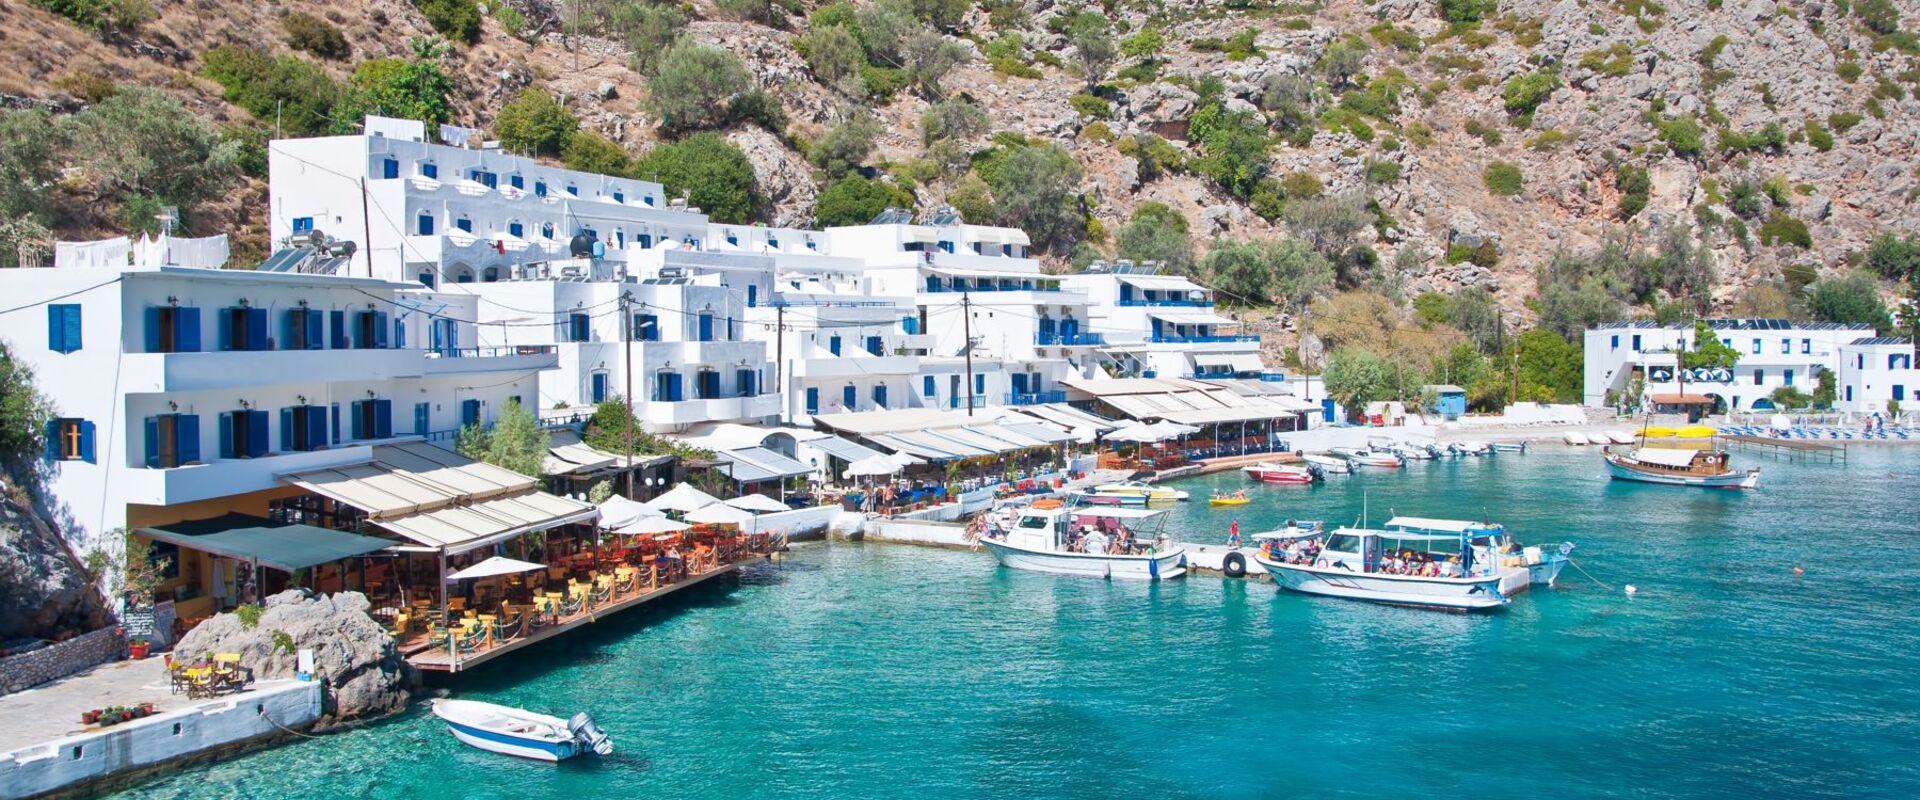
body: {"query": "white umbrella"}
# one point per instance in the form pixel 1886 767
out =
pixel 871 465
pixel 1085 434
pixel 682 498
pixel 757 503
pixel 720 514
pixel 1136 432
pixel 1168 429
pixel 618 512
pixel 647 525
pixel 495 567
pixel 903 460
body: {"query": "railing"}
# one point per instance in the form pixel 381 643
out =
pixel 829 303
pixel 960 401
pixel 1036 398
pixel 1214 376
pixel 1069 339
pixel 940 288
pixel 1135 301
pixel 1201 339
pixel 495 351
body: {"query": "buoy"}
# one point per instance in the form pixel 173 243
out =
pixel 1799 571
pixel 1632 588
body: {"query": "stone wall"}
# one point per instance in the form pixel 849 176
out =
pixel 60 660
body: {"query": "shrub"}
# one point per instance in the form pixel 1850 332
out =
pixel 1854 298
pixel 1090 106
pixel 311 34
pixel 1682 135
pixel 712 173
pixel 694 84
pixel 1635 187
pixel 845 146
pixel 1879 16
pixel 1398 38
pixel 855 200
pixel 292 91
pixel 1301 186
pixel 1548 139
pixel 248 614
pixel 1616 60
pixel 1460 12
pixel 1489 135
pixel 1783 229
pixel 1503 179
pixel 1524 93
pixel 588 151
pixel 458 20
pixel 654 28
pixel 535 123
pixel 1383 172
pixel 1818 135
pixel 1848 71
pixel 101 15
pixel 407 89
pixel 1157 233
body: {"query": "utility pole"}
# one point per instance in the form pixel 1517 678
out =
pixel 780 354
pixel 966 327
pixel 626 347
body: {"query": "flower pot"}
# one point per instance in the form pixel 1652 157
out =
pixel 90 717
pixel 137 650
pixel 146 709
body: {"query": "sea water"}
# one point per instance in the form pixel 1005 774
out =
pixel 891 671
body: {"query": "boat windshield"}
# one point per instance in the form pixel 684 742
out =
pixel 1344 543
pixel 1035 522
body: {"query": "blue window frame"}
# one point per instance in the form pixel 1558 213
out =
pixel 813 400
pixel 515 228
pixel 338 341
pixel 753 295
pixel 63 327
pixel 706 327
pixel 464 223
pixel 303 329
pixel 1786 378
pixel 926 385
pixel 647 326
pixel 540 189
pixel 573 190
pixel 243 328
pixel 302 224
pixel 1615 345
pixel 484 178
pixel 389 168
pixel 577 328
pixel 619 197
pixel 372 419
pixel 1899 391
pixel 1756 347
pixel 880 394
pixel 422 416
pixel 517 181
pixel 667 387
pixel 469 412
pixel 426 279
pixel 172 329
pixel 833 344
pixel 743 382
pixel 70 439
pixel 370 330
pixel 979 385
pixel 1806 346
pixel 1636 343
pixel 1786 346
pixel 303 428
pixel 1759 376
pixel 429 169
pixel 875 346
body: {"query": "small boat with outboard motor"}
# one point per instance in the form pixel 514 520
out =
pixel 1131 493
pixel 1470 447
pixel 1369 457
pixel 1329 463
pixel 1089 541
pixel 1509 447
pixel 518 732
pixel 1273 472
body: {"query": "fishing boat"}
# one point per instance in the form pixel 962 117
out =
pixel 1676 466
pixel 1424 570
pixel 1369 457
pixel 518 732
pixel 1239 498
pixel 1329 463
pixel 1575 438
pixel 1270 472
pixel 1542 562
pixel 1128 543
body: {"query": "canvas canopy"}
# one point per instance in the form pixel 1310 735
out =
pixel 1664 456
pixel 283 546
pixel 495 567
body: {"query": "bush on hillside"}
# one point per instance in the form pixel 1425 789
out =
pixel 311 34
pixel 458 20
pixel 536 124
pixel 693 86
pixel 712 173
pixel 854 200
pixel 588 151
pixel 289 91
pixel 101 15
pixel 1503 179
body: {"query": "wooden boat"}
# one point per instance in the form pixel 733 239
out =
pixel 518 732
pixel 1269 472
pixel 1361 564
pixel 1089 542
pixel 1674 466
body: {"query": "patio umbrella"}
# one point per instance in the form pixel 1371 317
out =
pixel 903 459
pixel 720 514
pixel 617 512
pixel 871 465
pixel 1168 429
pixel 1136 432
pixel 652 525
pixel 495 567
pixel 682 498
pixel 1085 434
pixel 757 503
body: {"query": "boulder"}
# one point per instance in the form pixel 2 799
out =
pixel 353 654
pixel 43 590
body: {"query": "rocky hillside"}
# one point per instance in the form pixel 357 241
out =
pixel 1481 140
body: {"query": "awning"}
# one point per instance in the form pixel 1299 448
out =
pixel 1163 283
pixel 1191 317
pixel 995 274
pixel 1035 430
pixel 566 457
pixel 866 423
pixel 283 546
pixel 756 464
pixel 495 567
pixel 1245 362
pixel 1664 457
pixel 1681 400
pixel 972 438
pixel 458 529
pixel 1212 416
pixel 916 446
pixel 841 449
pixel 1070 417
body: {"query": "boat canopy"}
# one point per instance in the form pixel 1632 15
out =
pixel 1106 512
pixel 1666 457
pixel 1451 525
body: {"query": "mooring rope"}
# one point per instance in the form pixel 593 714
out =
pixel 270 721
pixel 1583 571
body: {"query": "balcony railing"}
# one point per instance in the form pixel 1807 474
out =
pixel 1069 339
pixel 498 351
pixel 1136 301
pixel 1201 339
pixel 1036 398
pixel 938 288
pixel 960 401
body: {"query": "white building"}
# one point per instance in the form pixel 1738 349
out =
pixel 1874 370
pixel 180 393
pixel 1164 325
pixel 1773 353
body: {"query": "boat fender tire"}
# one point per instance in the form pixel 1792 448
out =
pixel 1234 566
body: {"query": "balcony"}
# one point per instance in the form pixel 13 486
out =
pixel 851 366
pixel 716 409
pixel 1202 339
pixel 232 369
pixel 1036 398
pixel 225 477
pixel 514 358
pixel 999 286
pixel 961 401
pixel 1135 301
pixel 1069 339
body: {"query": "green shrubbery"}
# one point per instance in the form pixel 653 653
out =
pixel 1635 187
pixel 101 15
pixel 1503 179
pixel 536 124
pixel 311 34
pixel 458 20
pixel 712 173
pixel 854 200
pixel 288 91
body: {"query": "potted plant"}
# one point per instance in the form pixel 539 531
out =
pixel 146 708
pixel 90 716
pixel 137 649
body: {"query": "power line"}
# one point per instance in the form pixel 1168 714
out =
pixel 58 298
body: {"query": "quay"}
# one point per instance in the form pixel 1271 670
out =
pixel 1791 449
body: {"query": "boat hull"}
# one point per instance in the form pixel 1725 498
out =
pixel 1331 464
pixel 480 725
pixel 1746 479
pixel 1453 594
pixel 1228 501
pixel 1268 475
pixel 1159 566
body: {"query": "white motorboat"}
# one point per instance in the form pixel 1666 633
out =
pixel 1509 447
pixel 518 732
pixel 1470 447
pixel 1369 457
pixel 1620 437
pixel 1147 492
pixel 1329 463
pixel 1709 469
pixel 1270 472
pixel 1409 452
pixel 1575 438
pixel 1091 542
pixel 1444 571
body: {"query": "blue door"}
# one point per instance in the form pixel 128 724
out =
pixel 1326 409
pixel 706 327
pixel 849 398
pixel 1019 384
pixel 599 387
pixel 420 412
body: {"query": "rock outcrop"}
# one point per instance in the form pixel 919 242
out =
pixel 354 656
pixel 43 591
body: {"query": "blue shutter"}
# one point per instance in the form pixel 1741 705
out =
pixel 286 430
pixel 469 412
pixel 186 437
pixel 53 440
pixel 150 326
pixel 317 427
pixel 873 345
pixel 86 441
pixel 599 387
pixel 813 400
pixel 186 330
pixel 226 435
pixel 359 419
pixel 256 434
pixel 926 385
pixel 753 295
pixel 979 384
pixel 223 329
pixel 382 419
pixel 379 330
pixel 56 329
pixel 849 398
pixel 674 392
pixel 706 327
pixel 880 395
pixel 257 329
pixel 420 412
pixel 153 442
pixel 335 413
pixel 316 331
pixel 339 329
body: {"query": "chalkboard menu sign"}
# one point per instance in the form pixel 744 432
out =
pixel 138 620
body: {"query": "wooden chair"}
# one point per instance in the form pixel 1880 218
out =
pixel 509 626
pixel 457 604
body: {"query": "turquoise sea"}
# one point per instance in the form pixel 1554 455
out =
pixel 878 671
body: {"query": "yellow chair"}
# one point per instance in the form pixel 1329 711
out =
pixel 457 604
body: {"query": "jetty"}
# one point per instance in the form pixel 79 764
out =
pixel 1791 449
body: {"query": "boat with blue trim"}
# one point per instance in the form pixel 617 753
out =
pixel 518 732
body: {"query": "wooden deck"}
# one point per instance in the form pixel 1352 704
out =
pixel 438 659
pixel 1793 449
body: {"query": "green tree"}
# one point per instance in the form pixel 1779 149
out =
pixel 1853 298
pixel 407 89
pixel 1463 12
pixel 1094 50
pixel 1342 60
pixel 1234 146
pixel 288 91
pixel 536 124
pixel 1034 189
pixel 1475 313
pixel 956 118
pixel 1143 46
pixel 458 20
pixel 1239 270
pixel 588 151
pixel 713 174
pixel 836 57
pixel 1786 397
pixel 1355 377
pixel 1682 135
pixel 142 143
pixel 943 14
pixel 694 85
pixel 926 58
pixel 1895 257
pixel 1550 363
pixel 1824 390
pixel 973 199
pixel 23 411
pixel 1157 233
pixel 31 148
pixel 517 442
pixel 1708 352
pixel 844 147
pixel 854 200
pixel 1330 224
pixel 653 30
pixel 1299 273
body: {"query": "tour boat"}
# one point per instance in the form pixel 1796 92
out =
pixel 1711 469
pixel 1362 564
pixel 1575 438
pixel 517 732
pixel 1270 472
pixel 1090 542
pixel 1328 463
pixel 1369 457
pixel 1543 562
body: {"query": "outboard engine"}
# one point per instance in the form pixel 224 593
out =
pixel 1318 473
pixel 589 735
pixel 1435 451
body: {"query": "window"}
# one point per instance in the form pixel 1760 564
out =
pixel 333 412
pixel 753 295
pixel 648 326
pixel 707 384
pixel 426 279
pixel 484 178
pixel 63 327
pixel 849 398
pixel 666 387
pixel 464 223
pixel 619 197
pixel 172 440
pixel 516 181
pixel 813 400
pixel 1636 343
pixel 979 384
pixel 243 328
pixel 833 344
pixel 706 327
pixel 423 225
pixel 243 434
pixel 1616 342
pixel 926 386
pixel 1786 346
pixel 469 413
pixel 443 335
pixel 546 230
pixel 880 395
pixel 1806 346
pixel 305 329
pixel 598 390
pixel 577 328
pixel 1786 378
pixel 1860 361
pixel 172 329
pixel 1899 392
pixel 389 168
pixel 370 330
pixel 1756 347
pixel 338 341
pixel 429 169
pixel 875 346
pixel 1899 360
pixel 514 228
pixel 743 380
pixel 1759 375
pixel 732 239
pixel 573 190
pixel 373 419
pixel 70 439
pixel 539 188
pixel 303 428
